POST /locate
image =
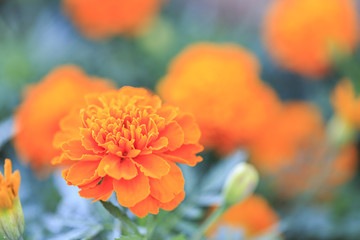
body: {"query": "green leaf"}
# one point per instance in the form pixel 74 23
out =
pixel 132 237
pixel 179 237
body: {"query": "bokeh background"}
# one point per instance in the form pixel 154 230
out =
pixel 36 36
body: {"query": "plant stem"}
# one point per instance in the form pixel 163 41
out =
pixel 209 222
pixel 116 212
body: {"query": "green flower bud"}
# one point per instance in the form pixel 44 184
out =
pixel 241 183
pixel 12 224
pixel 339 131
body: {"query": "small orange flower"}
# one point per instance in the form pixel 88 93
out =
pixel 127 141
pixel 37 118
pixel 220 85
pixel 99 19
pixel 9 186
pixel 293 152
pixel 253 217
pixel 299 34
pixel 346 103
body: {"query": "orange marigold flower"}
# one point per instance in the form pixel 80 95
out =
pixel 298 158
pixel 99 19
pixel 37 118
pixel 127 141
pixel 220 85
pixel 297 125
pixel 346 103
pixel 299 34
pixel 253 217
pixel 9 185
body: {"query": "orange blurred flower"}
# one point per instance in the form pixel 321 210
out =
pixel 298 125
pixel 9 186
pixel 253 217
pixel 127 141
pixel 293 152
pixel 220 85
pixel 299 34
pixel 102 19
pixel 37 118
pixel 346 103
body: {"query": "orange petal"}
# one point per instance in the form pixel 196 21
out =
pixel 81 172
pixel 76 151
pixel 174 134
pixel 159 143
pixel 61 137
pixel 71 122
pixel 130 192
pixel 148 205
pixel 169 206
pixel 101 191
pixel 7 170
pixel 168 186
pixel 185 154
pixel 117 168
pixel 152 165
pixel 88 141
pixel 167 112
pixel 190 128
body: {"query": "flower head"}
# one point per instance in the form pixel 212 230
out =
pixel 102 19
pixel 220 85
pixel 9 185
pixel 299 34
pixel 37 118
pixel 253 217
pixel 127 141
pixel 240 183
pixel 12 224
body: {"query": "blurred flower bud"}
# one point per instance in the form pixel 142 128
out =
pixel 12 224
pixel 241 183
pixel 340 132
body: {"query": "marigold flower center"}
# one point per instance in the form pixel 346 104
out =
pixel 124 127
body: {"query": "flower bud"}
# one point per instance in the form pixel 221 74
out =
pixel 11 215
pixel 241 183
pixel 12 224
pixel 340 132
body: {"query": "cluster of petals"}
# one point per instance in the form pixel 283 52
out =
pixel 346 103
pixel 253 217
pixel 221 86
pixel 301 34
pixel 100 19
pixel 9 185
pixel 44 104
pixel 293 148
pixel 127 141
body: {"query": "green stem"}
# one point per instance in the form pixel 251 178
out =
pixel 116 212
pixel 209 222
